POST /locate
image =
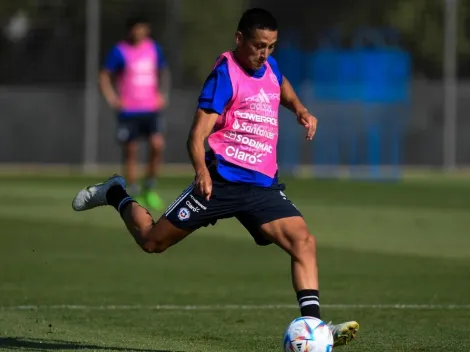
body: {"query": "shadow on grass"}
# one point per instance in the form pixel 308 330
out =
pixel 30 344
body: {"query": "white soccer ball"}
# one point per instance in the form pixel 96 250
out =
pixel 308 334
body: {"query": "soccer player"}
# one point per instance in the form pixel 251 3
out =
pixel 237 177
pixel 143 83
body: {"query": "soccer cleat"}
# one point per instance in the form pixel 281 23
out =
pixel 153 200
pixel 95 195
pixel 343 333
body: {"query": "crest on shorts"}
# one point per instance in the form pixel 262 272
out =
pixel 184 214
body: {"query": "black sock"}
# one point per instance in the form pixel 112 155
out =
pixel 118 198
pixel 309 303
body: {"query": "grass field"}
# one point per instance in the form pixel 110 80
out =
pixel 76 281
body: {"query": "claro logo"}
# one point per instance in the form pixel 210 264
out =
pixel 242 155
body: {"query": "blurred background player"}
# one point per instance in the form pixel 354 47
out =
pixel 143 84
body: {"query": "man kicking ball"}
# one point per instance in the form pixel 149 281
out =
pixel 238 114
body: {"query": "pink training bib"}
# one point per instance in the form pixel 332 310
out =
pixel 138 83
pixel 246 133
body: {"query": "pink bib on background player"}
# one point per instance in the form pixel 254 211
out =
pixel 138 83
pixel 246 133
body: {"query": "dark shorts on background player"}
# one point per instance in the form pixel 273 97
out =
pixel 138 126
pixel 253 206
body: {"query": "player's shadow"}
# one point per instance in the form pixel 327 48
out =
pixel 38 345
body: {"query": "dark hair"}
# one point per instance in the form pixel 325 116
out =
pixel 135 20
pixel 254 19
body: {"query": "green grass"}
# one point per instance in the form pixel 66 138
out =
pixel 379 244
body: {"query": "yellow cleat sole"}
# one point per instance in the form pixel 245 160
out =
pixel 346 335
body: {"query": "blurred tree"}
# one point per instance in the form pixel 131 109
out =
pixel 419 23
pixel 422 23
pixel 209 28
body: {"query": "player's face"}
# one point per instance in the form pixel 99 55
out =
pixel 255 50
pixel 139 32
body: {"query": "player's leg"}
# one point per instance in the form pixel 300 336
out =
pixel 292 235
pixel 187 213
pixel 157 145
pixel 154 133
pixel 151 236
pixel 127 135
pixel 131 150
pixel 274 219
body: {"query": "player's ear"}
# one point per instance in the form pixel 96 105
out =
pixel 238 38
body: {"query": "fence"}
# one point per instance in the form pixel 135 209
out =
pixel 51 111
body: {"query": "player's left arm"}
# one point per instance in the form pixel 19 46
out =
pixel 164 75
pixel 291 101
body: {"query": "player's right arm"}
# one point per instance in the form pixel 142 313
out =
pixel 202 126
pixel 215 95
pixel 164 75
pixel 113 63
pixel 108 91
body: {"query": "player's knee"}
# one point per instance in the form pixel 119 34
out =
pixel 160 247
pixel 154 246
pixel 305 245
pixel 157 144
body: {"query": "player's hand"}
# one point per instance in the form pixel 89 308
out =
pixel 309 122
pixel 163 101
pixel 204 184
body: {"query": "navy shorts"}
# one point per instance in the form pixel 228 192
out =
pixel 131 128
pixel 253 206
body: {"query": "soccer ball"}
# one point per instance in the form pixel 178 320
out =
pixel 308 334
